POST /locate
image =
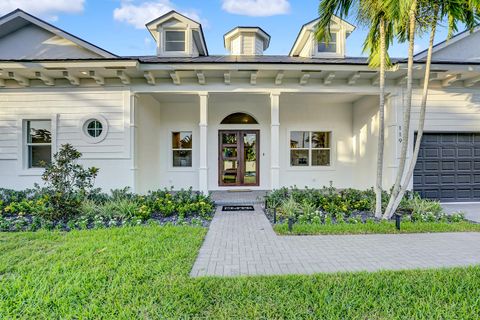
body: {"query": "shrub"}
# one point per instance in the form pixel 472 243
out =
pixel 26 207
pixel 457 216
pixel 424 209
pixel 289 208
pixel 67 184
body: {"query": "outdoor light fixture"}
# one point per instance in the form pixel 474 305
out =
pixel 398 218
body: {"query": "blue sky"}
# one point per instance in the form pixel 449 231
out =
pixel 118 25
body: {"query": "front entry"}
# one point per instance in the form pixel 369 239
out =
pixel 238 161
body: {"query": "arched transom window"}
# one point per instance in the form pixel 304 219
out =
pixel 239 118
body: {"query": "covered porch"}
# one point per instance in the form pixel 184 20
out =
pixel 277 138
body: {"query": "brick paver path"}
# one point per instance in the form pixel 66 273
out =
pixel 244 243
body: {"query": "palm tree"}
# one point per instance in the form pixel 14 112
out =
pixel 408 10
pixel 378 16
pixel 430 13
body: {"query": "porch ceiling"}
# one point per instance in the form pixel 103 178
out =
pixel 240 96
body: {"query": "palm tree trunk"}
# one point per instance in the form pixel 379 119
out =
pixel 406 113
pixel 421 121
pixel 381 123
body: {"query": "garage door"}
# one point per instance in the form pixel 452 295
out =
pixel 448 167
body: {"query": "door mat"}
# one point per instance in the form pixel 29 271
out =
pixel 238 208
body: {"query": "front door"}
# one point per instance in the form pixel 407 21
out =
pixel 238 157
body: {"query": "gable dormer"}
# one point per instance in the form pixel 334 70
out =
pixel 178 36
pixel 308 47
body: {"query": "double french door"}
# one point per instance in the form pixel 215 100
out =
pixel 238 157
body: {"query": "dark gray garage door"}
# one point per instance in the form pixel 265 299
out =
pixel 448 167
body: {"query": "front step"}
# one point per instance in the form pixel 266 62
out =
pixel 245 197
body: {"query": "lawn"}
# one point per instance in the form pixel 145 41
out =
pixel 382 227
pixel 142 272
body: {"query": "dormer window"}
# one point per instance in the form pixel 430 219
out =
pixel 308 46
pixel 174 41
pixel 330 47
pixel 177 36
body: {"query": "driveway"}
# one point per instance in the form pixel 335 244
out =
pixel 244 243
pixel 471 210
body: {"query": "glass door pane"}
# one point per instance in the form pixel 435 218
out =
pixel 230 172
pixel 238 158
pixel 249 158
pixel 229 158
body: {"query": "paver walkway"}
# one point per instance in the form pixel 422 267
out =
pixel 244 243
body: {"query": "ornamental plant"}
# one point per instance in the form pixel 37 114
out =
pixel 66 184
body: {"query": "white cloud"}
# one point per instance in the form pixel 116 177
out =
pixel 256 8
pixel 139 14
pixel 47 9
pixel 417 48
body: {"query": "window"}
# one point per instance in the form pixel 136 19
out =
pixel 174 40
pixel 309 148
pixel 94 128
pixel 182 148
pixel 239 118
pixel 39 143
pixel 332 44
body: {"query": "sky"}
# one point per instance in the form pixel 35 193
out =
pixel 119 25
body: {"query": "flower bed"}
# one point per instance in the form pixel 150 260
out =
pixel 68 201
pixel 28 210
pixel 329 211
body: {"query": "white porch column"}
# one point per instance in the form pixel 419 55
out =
pixel 275 140
pixel 133 143
pixel 203 163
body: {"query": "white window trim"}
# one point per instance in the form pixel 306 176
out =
pixel 331 42
pixel 22 162
pixel 82 125
pixel 331 167
pixel 171 167
pixel 164 42
pixel 340 45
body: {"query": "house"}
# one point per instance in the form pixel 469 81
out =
pixel 247 120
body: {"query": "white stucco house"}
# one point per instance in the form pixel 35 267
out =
pixel 182 117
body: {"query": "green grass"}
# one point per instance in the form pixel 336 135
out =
pixel 142 273
pixel 369 228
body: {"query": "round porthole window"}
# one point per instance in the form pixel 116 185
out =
pixel 94 128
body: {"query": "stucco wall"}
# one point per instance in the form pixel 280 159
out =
pixel 314 113
pixel 147 150
pixel 67 108
pixel 365 137
pixel 352 123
